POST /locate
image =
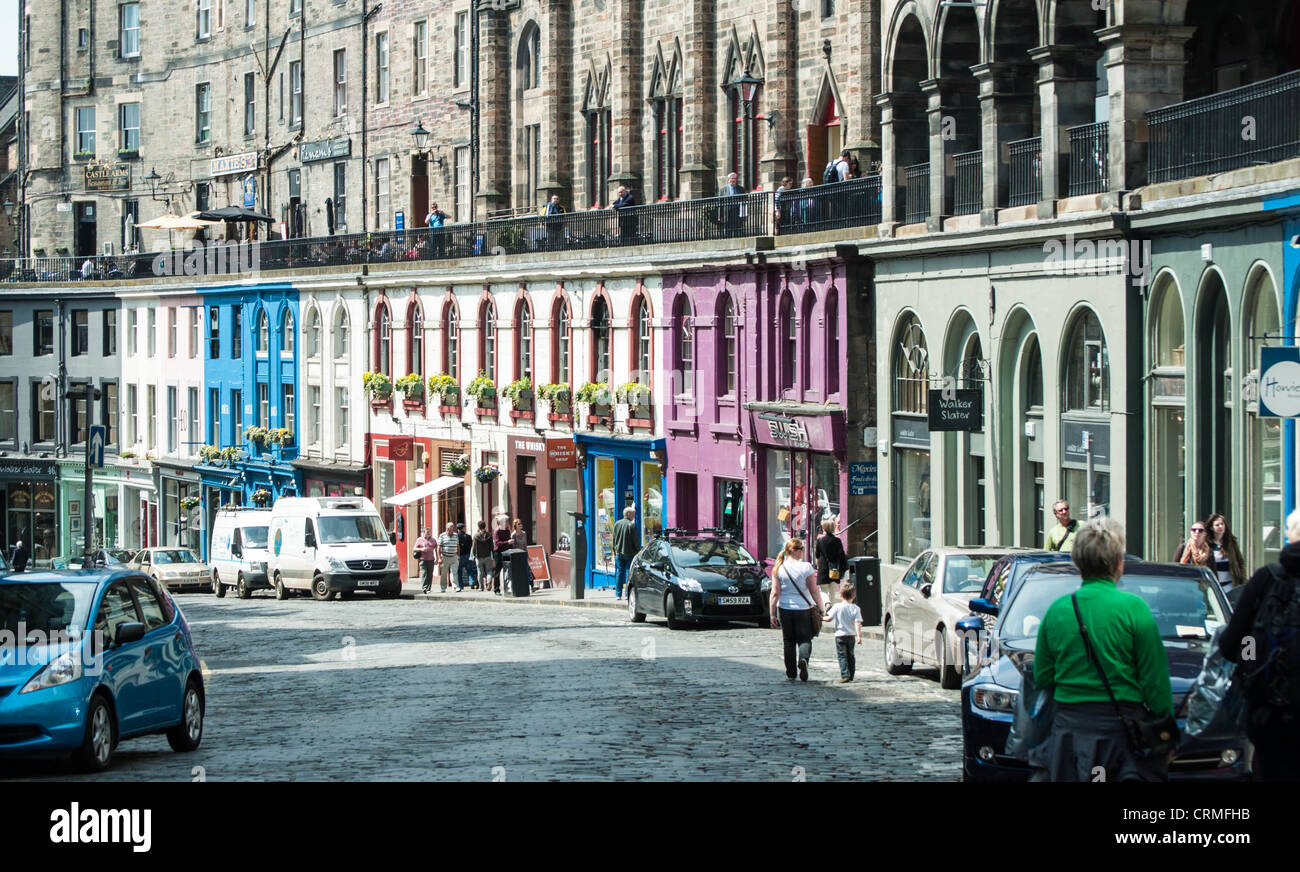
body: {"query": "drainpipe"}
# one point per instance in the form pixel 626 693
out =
pixel 365 111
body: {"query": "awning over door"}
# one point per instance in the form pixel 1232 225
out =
pixel 428 489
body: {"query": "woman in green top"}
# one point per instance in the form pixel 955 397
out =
pixel 1088 742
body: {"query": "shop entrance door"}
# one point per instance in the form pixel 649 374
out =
pixel 687 501
pixel 85 241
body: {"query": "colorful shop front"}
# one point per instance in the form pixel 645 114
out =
pixel 28 497
pixel 414 484
pixel 618 471
pixel 542 480
pixel 123 510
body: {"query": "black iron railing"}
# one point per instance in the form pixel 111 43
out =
pixel 1254 124
pixel 850 203
pixel 968 182
pixel 1089 156
pixel 917 202
pixel 1026 171
pixel 657 223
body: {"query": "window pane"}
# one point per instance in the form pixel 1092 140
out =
pixel 912 502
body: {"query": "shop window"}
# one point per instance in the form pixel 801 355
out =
pixel 729 507
pixel 1087 369
pixel 910 373
pixel 652 502
pixel 1168 386
pixel 1262 533
pixel 607 512
pixel 564 497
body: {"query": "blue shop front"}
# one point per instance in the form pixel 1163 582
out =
pixel 619 471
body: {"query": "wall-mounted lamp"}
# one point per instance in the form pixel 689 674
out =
pixel 153 179
pixel 770 118
pixel 421 137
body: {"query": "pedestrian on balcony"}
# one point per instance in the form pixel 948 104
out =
pixel 448 559
pixel 500 544
pixel 733 213
pixel 627 220
pixel 468 571
pixel 554 223
pixel 806 208
pixel 1100 655
pixel 1197 548
pixel 434 221
pixel 832 562
pixel 482 551
pixel 781 210
pixel 795 604
pixel 426 551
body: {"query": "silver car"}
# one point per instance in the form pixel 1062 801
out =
pixel 175 568
pixel 923 607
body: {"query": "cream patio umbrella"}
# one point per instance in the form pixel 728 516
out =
pixel 171 223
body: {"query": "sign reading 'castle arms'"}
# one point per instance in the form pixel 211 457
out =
pixel 103 177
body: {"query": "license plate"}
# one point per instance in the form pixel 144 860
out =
pixel 733 600
pixel 368 582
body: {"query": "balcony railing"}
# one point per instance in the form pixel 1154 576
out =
pixel 1254 124
pixel 657 223
pixel 1026 172
pixel 1089 158
pixel 917 203
pixel 850 203
pixel 968 182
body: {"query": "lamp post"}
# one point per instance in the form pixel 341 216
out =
pixel 421 137
pixel 748 88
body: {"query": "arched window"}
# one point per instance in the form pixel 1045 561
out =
pixel 562 339
pixel 524 341
pixel 726 356
pixel 806 328
pixel 1261 534
pixel 910 373
pixel 530 57
pixel 640 344
pixel 415 340
pixel 1087 368
pixel 340 332
pixel 313 333
pixel 260 342
pixel 451 342
pixel 684 344
pixel 787 338
pixel 488 348
pixel 600 341
pixel 383 360
pixel 832 318
pixel 1168 385
pixel 286 333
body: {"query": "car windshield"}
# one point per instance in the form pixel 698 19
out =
pixel 255 537
pixel 121 556
pixel 1184 607
pixel 709 552
pixel 338 530
pixel 965 573
pixel 174 555
pixel 48 608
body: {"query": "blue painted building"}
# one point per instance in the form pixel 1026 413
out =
pixel 250 380
pixel 618 471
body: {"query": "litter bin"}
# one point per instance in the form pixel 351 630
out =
pixel 516 566
pixel 865 572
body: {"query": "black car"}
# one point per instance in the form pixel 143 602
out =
pixel 695 579
pixel 1187 605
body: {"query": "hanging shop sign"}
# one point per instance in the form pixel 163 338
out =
pixel 561 454
pixel 817 433
pixel 956 410
pixel 1279 382
pixel 401 448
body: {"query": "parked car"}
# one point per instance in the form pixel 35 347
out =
pixel 697 578
pixel 922 609
pixel 106 557
pixel 331 546
pixel 175 568
pixel 109 657
pixel 238 552
pixel 1187 604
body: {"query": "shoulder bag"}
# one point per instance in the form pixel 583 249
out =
pixel 815 619
pixel 1150 738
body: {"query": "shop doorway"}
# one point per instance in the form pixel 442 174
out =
pixel 85 234
pixel 687 501
pixel 526 470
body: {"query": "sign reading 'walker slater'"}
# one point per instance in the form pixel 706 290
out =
pixel 957 410
pixel 324 149
pixel 102 177
pixel 1279 382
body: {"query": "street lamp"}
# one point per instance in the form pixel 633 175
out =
pixel 9 208
pixel 748 88
pixel 421 137
pixel 153 179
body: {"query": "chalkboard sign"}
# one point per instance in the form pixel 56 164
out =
pixel 957 410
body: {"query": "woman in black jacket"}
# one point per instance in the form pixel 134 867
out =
pixel 832 563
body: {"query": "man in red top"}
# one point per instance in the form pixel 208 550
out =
pixel 426 551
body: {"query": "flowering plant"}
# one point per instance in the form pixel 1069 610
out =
pixel 634 394
pixel 378 385
pixel 517 389
pixel 256 434
pixel 482 387
pixel 412 385
pixel 488 472
pixel 459 465
pixel 558 395
pixel 279 435
pixel 188 503
pixel 261 496
pixel 446 387
pixel 594 393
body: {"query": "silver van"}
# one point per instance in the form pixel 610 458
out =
pixel 238 554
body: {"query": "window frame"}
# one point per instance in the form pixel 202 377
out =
pixel 12 384
pixel 38 348
pixel 420 58
pixel 487 347
pixel 80 344
pixel 382 68
pixel 295 93
pixel 124 30
pixel 203 112
pixel 84 137
pixel 126 141
pixel 340 78
pixel 108 333
pixel 250 104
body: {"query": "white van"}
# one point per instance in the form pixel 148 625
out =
pixel 331 545
pixel 238 554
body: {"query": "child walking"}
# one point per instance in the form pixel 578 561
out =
pixel 847 618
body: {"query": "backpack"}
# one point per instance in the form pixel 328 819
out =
pixel 831 173
pixel 1272 679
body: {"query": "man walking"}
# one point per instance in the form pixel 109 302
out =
pixel 21 556
pixel 626 547
pixel 1061 537
pixel 467 571
pixel 782 210
pixel 482 551
pixel 426 551
pixel 448 558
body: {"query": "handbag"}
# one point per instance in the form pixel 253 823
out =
pixel 1150 738
pixel 815 619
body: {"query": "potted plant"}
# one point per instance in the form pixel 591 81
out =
pixel 412 387
pixel 446 388
pixel 520 394
pixel 279 436
pixel 208 453
pixel 560 396
pixel 487 473
pixel 229 455
pixel 128 153
pixel 379 387
pixel 256 435
pixel 459 465
pixel 637 397
pixel 128 454
pixel 189 503
pixel 261 497
pixel 483 390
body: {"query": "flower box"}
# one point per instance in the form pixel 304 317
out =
pixel 521 414
pixel 645 422
pixel 382 405
pixel 596 421
pixel 565 417
pixel 449 411
pixel 413 406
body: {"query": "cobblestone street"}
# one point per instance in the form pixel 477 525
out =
pixel 429 690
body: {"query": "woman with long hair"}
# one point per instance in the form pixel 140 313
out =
pixel 1229 565
pixel 796 603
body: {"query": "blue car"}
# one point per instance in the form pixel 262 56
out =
pixel 1187 604
pixel 91 657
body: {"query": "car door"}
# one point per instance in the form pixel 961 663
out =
pixel 123 665
pixel 161 658
pixel 906 627
pixel 926 608
pixel 655 581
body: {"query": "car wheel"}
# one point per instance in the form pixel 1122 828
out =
pixel 186 735
pixel 670 613
pixel 280 592
pixel 894 664
pixel 949 675
pixel 241 589
pixel 320 589
pixel 96 750
pixel 633 615
pixel 217 587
